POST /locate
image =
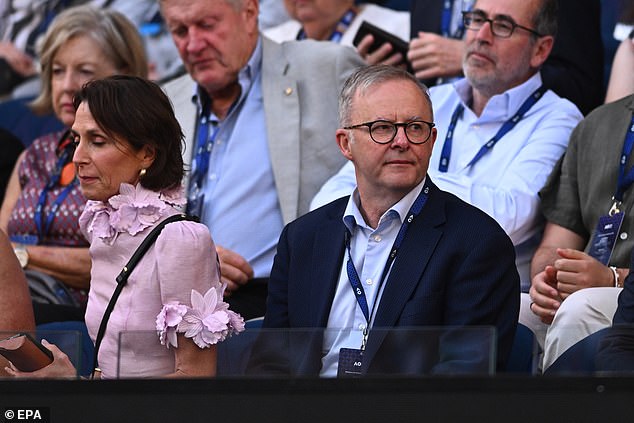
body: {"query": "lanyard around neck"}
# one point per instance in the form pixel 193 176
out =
pixel 43 222
pixel 625 179
pixel 506 127
pixel 353 276
pixel 204 146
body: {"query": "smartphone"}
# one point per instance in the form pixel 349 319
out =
pixel 25 353
pixel 381 37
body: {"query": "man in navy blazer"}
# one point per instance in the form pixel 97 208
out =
pixel 414 255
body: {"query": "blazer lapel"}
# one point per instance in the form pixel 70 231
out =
pixel 281 108
pixel 407 271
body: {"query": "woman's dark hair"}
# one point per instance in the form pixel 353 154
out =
pixel 136 110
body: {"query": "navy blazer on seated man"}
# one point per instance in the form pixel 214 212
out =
pixel 456 267
pixel 616 346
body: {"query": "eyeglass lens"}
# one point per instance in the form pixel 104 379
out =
pixel 384 132
pixel 499 27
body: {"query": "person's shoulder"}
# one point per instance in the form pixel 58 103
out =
pixel 285 31
pixel 45 142
pixel 311 50
pixel 332 210
pixel 374 10
pixel 558 106
pixel 625 104
pixel 442 91
pixel 187 234
pixel 466 218
pixel 178 83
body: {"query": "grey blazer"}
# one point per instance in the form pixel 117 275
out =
pixel 301 81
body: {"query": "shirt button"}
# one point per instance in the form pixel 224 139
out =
pixel 377 238
pixel 288 91
pixel 623 235
pixel 213 176
pixel 368 281
pixel 361 327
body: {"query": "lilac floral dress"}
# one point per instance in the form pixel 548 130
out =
pixel 175 288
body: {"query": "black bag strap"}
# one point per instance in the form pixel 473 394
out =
pixel 122 278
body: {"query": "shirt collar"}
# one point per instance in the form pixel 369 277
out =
pixel 506 103
pixel 352 216
pixel 246 77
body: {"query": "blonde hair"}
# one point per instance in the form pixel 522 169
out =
pixel 118 38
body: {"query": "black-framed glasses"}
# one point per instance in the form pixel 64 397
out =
pixel 500 27
pixel 384 131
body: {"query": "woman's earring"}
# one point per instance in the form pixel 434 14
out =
pixel 142 173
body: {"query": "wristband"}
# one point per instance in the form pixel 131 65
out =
pixel 617 281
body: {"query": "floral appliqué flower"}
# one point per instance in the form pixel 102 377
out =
pixel 136 208
pixel 96 220
pixel 207 322
pixel 132 210
pixel 168 319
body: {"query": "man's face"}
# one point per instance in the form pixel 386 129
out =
pixel 213 39
pixel 493 64
pixel 387 169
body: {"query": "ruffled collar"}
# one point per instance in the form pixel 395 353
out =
pixel 133 210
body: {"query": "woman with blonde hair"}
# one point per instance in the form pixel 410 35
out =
pixel 43 202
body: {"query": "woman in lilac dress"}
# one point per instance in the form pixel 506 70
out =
pixel 128 160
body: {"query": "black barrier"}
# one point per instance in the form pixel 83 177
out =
pixel 442 399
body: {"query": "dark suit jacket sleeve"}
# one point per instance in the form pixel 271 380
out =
pixel 482 290
pixel 277 299
pixel 616 349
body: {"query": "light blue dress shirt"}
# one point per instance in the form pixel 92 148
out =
pixel 241 206
pixel 369 249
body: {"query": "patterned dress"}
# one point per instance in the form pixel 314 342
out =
pixel 34 172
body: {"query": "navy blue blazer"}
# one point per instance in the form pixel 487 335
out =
pixel 456 267
pixel 616 348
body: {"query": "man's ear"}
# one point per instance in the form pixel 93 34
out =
pixel 343 141
pixel 251 12
pixel 541 50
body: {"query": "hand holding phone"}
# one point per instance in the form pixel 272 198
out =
pixel 381 37
pixel 26 354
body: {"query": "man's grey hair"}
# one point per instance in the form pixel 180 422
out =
pixel 545 20
pixel 367 76
pixel 236 4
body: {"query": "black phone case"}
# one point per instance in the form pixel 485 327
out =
pixel 381 37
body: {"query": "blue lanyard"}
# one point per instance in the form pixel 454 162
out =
pixel 625 180
pixel 445 155
pixel 341 27
pixel 203 148
pixel 44 228
pixel 445 21
pixel 353 276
